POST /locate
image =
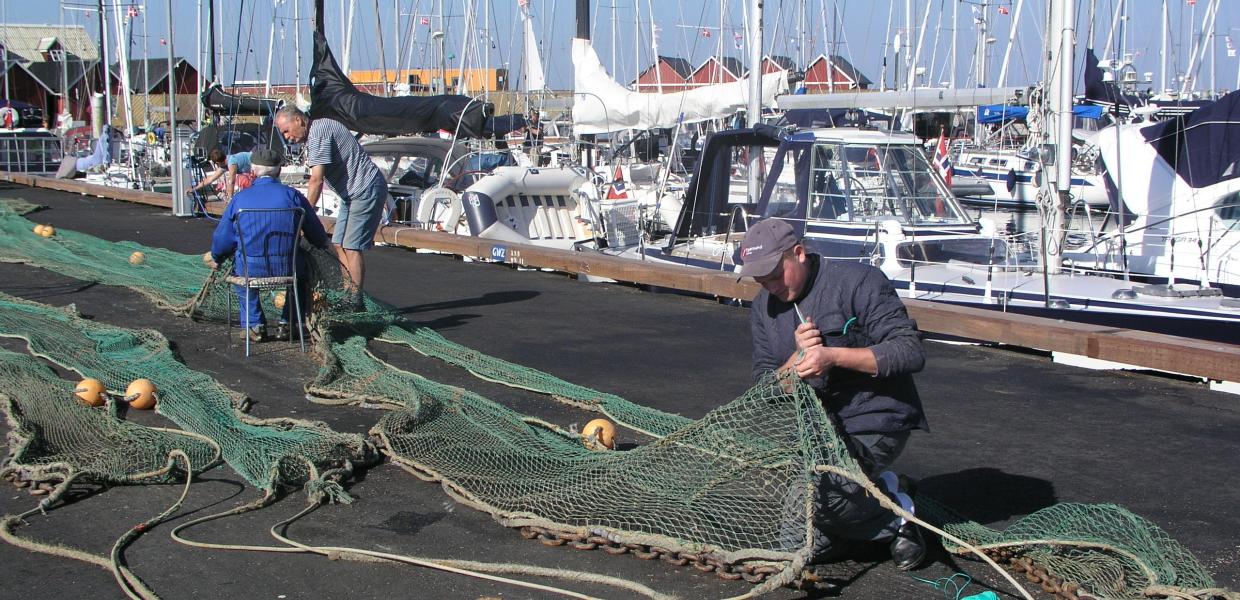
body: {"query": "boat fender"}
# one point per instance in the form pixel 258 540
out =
pixel 479 211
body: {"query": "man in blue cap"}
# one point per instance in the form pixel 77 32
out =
pixel 267 192
pixel 840 327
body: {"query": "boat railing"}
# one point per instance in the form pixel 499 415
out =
pixel 30 154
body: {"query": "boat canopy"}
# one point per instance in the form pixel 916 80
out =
pixel 705 210
pixel 998 113
pixel 333 96
pixel 601 105
pixel 1203 146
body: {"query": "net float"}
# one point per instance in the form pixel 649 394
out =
pixel 599 434
pixel 91 391
pixel 141 394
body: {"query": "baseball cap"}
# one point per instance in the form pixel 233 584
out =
pixel 266 158
pixel 764 245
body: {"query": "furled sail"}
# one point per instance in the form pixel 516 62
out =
pixel 534 79
pixel 601 105
pixel 215 99
pixel 333 96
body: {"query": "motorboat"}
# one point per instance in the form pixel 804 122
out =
pixel 869 195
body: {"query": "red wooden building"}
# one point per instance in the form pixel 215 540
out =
pixel 668 74
pixel 834 74
pixel 717 70
pixel 42 60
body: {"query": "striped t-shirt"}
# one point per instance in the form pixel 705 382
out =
pixel 349 170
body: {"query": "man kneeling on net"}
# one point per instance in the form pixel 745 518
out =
pixel 840 327
pixel 266 193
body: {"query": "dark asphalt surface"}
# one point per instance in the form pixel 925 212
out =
pixel 1011 433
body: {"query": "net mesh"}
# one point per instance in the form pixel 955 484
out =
pixel 55 437
pixel 736 484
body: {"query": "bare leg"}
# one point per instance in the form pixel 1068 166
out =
pixel 354 267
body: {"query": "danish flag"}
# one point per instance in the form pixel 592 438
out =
pixel 942 160
pixel 424 21
pixel 617 191
pixel 1003 10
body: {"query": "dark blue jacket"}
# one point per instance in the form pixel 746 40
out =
pixel 265 193
pixel 854 305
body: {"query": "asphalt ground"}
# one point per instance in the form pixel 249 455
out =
pixel 1011 432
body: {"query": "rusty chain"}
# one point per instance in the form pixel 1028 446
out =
pixel 752 572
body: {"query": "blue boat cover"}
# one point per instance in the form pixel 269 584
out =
pixel 1202 146
pixel 998 113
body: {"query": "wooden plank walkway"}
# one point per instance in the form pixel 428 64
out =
pixel 1209 360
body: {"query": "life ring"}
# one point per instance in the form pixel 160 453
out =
pixel 150 138
pixel 9 116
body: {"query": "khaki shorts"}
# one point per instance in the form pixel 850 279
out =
pixel 358 219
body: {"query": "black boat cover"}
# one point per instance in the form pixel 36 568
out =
pixel 215 99
pixel 1202 146
pixel 333 96
pixel 706 210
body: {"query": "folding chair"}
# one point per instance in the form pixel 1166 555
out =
pixel 266 259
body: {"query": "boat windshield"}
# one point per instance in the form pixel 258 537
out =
pixel 868 183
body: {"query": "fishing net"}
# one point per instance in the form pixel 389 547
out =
pixel 736 486
pixel 56 438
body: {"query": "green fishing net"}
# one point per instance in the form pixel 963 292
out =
pixel 735 484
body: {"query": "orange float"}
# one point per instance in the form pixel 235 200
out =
pixel 91 392
pixel 141 394
pixel 599 434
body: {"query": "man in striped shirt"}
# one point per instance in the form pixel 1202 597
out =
pixel 335 156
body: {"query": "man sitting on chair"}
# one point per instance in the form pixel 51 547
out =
pixel 266 193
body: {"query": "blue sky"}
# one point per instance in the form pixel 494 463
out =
pixel 797 28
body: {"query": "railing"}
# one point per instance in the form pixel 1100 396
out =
pixel 39 154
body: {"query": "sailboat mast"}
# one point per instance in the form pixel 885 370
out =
pixel 382 49
pixel 107 66
pixel 754 111
pixel 180 204
pixel 1162 59
pixel 296 49
pixel 211 41
pixel 198 61
pixel 271 45
pixel 146 70
pixel 1058 95
pixel 955 37
pixel 1007 53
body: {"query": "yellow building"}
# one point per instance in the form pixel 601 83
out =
pixel 476 80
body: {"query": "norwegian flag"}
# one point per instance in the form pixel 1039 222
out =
pixel 617 190
pixel 738 40
pixel 943 160
pixel 424 21
pixel 132 12
pixel 705 32
pixel 1003 10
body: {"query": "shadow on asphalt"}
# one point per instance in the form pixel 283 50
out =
pixel 989 495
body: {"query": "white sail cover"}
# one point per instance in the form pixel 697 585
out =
pixel 601 105
pixel 534 79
